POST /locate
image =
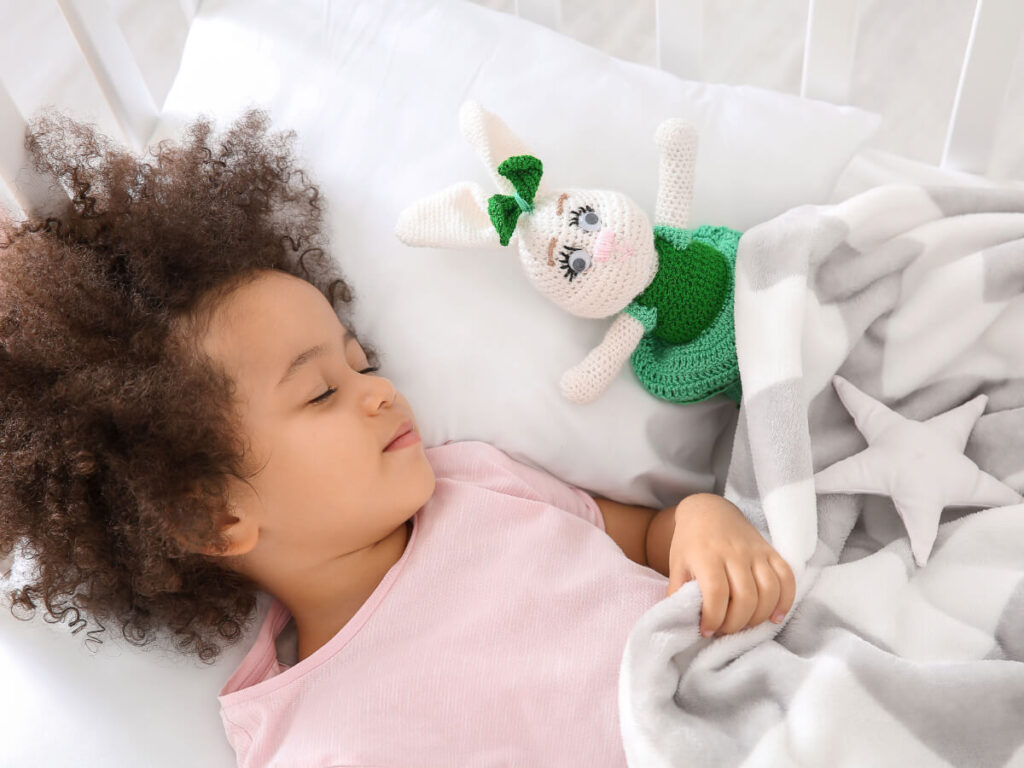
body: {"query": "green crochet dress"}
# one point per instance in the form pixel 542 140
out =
pixel 688 350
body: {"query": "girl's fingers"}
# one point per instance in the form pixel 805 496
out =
pixel 787 586
pixel 742 596
pixel 677 577
pixel 714 589
pixel 768 591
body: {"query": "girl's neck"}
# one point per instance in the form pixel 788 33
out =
pixel 321 613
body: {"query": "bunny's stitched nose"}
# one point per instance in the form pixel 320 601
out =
pixel 604 246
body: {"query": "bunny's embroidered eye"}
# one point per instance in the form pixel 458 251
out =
pixel 574 261
pixel 585 218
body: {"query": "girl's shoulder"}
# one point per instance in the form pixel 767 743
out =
pixel 486 466
pixel 463 459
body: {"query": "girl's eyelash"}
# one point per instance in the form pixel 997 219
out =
pixel 331 390
pixel 565 253
pixel 574 216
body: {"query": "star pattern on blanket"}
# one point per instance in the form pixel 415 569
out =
pixel 920 464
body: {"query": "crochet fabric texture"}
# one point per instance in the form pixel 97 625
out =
pixel 688 351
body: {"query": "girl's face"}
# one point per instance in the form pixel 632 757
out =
pixel 317 425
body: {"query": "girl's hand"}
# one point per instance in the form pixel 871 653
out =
pixel 742 578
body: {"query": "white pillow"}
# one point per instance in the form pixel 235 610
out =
pixel 373 89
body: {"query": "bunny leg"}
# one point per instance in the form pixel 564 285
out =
pixel 586 381
pixel 677 149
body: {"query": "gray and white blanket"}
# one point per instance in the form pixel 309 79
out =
pixel 916 296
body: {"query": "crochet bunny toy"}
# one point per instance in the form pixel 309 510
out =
pixel 595 254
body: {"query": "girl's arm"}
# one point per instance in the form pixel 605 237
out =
pixel 743 580
pixel 628 526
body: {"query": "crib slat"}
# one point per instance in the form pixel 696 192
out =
pixel 189 9
pixel 12 155
pixel 10 206
pixel 546 12
pixel 24 187
pixel 680 35
pixel 996 33
pixel 105 49
pixel 829 49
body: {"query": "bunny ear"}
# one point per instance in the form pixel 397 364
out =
pixel 455 217
pixel 493 140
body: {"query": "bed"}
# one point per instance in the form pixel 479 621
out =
pixel 373 90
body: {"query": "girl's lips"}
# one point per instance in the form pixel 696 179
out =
pixel 409 438
pixel 403 436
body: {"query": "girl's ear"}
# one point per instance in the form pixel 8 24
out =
pixel 242 532
pixel 455 217
pixel 241 528
pixel 493 141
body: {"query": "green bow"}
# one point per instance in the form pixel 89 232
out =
pixel 524 172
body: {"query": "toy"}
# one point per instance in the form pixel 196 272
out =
pixel 595 254
pixel 920 464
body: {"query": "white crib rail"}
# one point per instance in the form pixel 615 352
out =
pixel 20 187
pixel 995 35
pixel 541 11
pixel 829 48
pixel 114 69
pixel 830 44
pixel 189 9
pixel 679 36
pixel 113 66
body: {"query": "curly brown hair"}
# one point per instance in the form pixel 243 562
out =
pixel 116 435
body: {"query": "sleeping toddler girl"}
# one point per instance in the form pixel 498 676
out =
pixel 189 418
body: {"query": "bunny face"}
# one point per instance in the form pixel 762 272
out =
pixel 589 251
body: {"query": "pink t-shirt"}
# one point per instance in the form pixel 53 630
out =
pixel 495 640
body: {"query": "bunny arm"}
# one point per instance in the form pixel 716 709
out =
pixel 584 382
pixel 677 149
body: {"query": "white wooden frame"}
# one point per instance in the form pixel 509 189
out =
pixel 118 75
pixel 829 46
pixel 831 37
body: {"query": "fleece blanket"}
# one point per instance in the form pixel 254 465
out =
pixel 916 297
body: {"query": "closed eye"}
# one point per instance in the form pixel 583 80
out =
pixel 331 390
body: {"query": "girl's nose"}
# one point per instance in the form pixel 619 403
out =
pixel 604 246
pixel 379 391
